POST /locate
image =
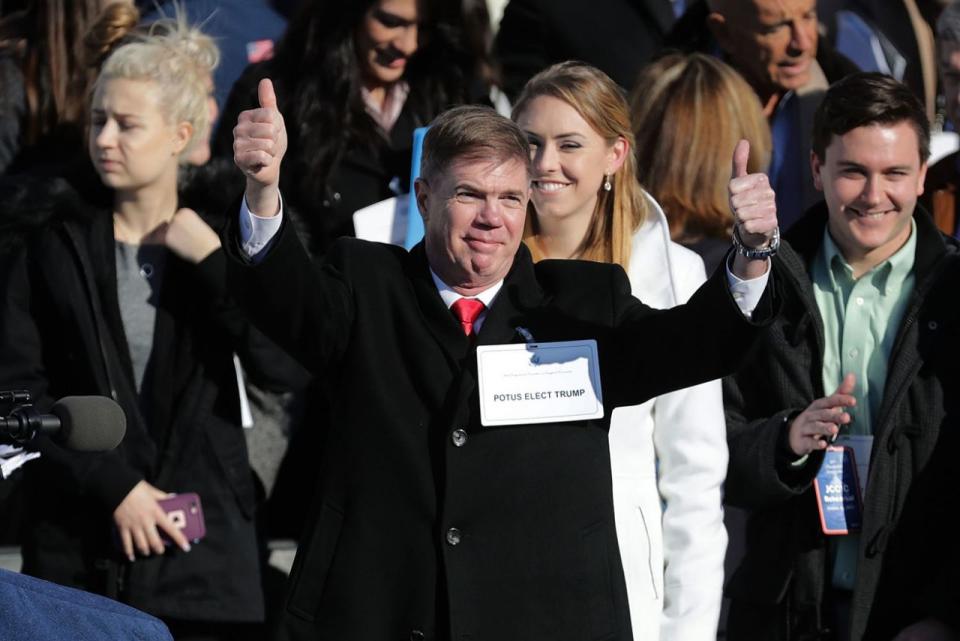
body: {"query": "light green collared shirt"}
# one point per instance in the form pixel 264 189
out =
pixel 861 318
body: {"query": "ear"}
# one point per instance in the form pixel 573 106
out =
pixel 815 166
pixel 921 178
pixel 617 155
pixel 422 191
pixel 182 136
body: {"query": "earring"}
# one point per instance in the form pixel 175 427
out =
pixel 606 182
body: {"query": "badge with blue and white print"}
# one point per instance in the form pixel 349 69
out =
pixel 539 382
pixel 838 492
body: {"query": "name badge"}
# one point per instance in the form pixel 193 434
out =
pixel 539 382
pixel 838 492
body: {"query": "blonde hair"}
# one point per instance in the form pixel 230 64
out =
pixel 600 102
pixel 689 112
pixel 179 59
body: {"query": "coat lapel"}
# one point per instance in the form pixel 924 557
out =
pixel 437 318
pixel 512 308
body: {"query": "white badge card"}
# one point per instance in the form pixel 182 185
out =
pixel 539 382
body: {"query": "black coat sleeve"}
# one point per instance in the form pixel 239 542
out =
pixel 304 308
pixel 689 344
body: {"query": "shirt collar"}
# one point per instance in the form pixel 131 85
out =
pixel 897 267
pixel 387 116
pixel 450 297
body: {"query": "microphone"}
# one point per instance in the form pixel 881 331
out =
pixel 82 423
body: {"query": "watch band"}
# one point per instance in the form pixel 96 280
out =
pixel 758 253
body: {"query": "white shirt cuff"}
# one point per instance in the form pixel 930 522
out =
pixel 257 232
pixel 747 293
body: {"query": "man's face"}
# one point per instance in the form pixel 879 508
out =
pixel 771 42
pixel 870 178
pixel 473 213
pixel 950 72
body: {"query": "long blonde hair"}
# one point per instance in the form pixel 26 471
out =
pixel 689 112
pixel 601 103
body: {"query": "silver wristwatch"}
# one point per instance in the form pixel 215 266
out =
pixel 759 253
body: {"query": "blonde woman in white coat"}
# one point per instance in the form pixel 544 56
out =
pixel 668 456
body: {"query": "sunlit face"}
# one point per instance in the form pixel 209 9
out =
pixel 773 43
pixel 871 179
pixel 950 73
pixel 473 214
pixel 386 39
pixel 570 159
pixel 131 144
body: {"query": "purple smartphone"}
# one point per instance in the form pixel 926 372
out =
pixel 186 512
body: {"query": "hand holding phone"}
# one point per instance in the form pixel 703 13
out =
pixel 186 513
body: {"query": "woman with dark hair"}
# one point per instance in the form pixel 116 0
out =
pixel 353 80
pixel 44 81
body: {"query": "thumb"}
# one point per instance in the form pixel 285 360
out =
pixel 847 384
pixel 268 99
pixel 741 154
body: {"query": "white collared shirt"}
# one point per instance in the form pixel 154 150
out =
pixel 450 297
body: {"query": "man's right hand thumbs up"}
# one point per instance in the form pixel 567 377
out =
pixel 259 143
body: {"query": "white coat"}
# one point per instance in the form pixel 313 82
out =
pixel 668 459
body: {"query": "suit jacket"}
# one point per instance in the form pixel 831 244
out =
pixel 616 36
pixel 509 534
pixel 908 563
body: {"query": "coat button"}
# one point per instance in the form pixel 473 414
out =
pixel 416 635
pixel 454 536
pixel 459 438
pixel 336 196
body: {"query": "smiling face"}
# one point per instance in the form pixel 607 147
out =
pixel 386 39
pixel 771 42
pixel 871 178
pixel 131 144
pixel 569 158
pixel 473 214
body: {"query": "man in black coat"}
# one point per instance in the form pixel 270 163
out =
pixel 616 36
pixel 446 511
pixel 869 292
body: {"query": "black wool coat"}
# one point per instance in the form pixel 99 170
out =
pixel 61 334
pixel 536 556
pixel 908 564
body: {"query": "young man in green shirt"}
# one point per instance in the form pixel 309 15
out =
pixel 860 359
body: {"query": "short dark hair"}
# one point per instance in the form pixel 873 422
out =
pixel 472 132
pixel 863 99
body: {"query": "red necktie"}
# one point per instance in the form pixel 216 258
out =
pixel 467 310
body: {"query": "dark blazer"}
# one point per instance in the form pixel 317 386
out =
pixel 61 334
pixel 616 36
pixel 535 553
pixel 908 562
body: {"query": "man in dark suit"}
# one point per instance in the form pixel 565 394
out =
pixel 445 511
pixel 616 36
